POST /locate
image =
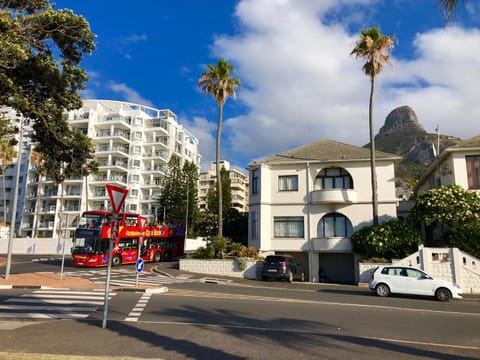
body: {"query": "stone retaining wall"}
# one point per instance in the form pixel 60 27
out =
pixel 222 267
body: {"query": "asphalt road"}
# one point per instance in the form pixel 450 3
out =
pixel 216 321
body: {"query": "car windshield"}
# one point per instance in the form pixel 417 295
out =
pixel 272 260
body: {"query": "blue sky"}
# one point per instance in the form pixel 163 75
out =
pixel 299 83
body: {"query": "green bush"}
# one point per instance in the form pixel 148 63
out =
pixel 466 238
pixel 393 239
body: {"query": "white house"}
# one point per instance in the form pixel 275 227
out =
pixel 458 164
pixel 309 200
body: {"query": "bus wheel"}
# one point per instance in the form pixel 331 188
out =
pixel 116 260
pixel 157 256
pixel 168 256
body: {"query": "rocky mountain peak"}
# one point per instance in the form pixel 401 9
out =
pixel 401 120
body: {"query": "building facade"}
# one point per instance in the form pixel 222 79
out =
pixel 307 202
pixel 133 144
pixel 238 186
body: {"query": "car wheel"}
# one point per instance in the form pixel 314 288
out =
pixel 443 294
pixel 302 277
pixel 157 256
pixel 290 277
pixel 382 290
pixel 116 260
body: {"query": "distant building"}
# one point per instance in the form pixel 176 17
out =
pixel 133 146
pixel 238 186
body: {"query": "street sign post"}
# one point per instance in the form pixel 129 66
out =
pixel 117 197
pixel 143 222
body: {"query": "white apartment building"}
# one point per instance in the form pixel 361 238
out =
pixel 308 201
pixel 238 186
pixel 133 145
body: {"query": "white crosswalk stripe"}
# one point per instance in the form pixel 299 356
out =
pixel 126 277
pixel 53 304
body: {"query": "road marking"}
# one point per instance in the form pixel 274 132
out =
pixel 313 331
pixel 193 293
pixel 137 311
pixel 52 304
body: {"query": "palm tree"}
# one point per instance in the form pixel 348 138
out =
pixel 36 158
pixel 450 7
pixel 218 82
pixel 8 153
pixel 374 48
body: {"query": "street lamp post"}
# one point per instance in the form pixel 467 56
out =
pixel 13 218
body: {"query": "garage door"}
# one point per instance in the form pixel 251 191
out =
pixel 338 268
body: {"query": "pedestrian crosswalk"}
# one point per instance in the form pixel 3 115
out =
pixel 127 277
pixel 53 304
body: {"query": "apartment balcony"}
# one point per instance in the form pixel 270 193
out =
pixel 333 196
pixel 343 245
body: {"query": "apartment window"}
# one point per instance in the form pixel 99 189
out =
pixel 288 183
pixel 334 225
pixel 136 164
pixel 288 226
pixel 138 135
pixel 333 178
pixel 137 149
pixel 473 171
pixel 255 181
pixel 134 193
pixel 135 178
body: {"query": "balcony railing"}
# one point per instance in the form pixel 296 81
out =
pixel 334 196
pixel 332 245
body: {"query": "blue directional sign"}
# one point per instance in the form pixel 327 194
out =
pixel 139 265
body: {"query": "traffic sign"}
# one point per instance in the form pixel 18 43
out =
pixel 117 197
pixel 139 265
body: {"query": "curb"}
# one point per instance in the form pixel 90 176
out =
pixel 159 290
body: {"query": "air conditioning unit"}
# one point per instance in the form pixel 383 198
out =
pixel 52 208
pixel 50 224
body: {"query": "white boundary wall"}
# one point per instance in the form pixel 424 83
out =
pixel 33 246
pixel 450 264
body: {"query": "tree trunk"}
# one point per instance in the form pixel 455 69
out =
pixel 372 153
pixel 219 182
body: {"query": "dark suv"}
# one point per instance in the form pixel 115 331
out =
pixel 281 267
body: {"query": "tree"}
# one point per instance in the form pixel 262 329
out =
pixel 393 239
pixel 40 54
pixel 374 48
pixel 450 7
pixel 449 205
pixel 218 82
pixel 179 182
pixel 226 196
pixel 7 154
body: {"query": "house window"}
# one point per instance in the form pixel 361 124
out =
pixel 253 224
pixel 333 178
pixel 288 183
pixel 334 225
pixel 254 181
pixel 473 171
pixel 288 226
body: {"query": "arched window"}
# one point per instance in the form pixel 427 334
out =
pixel 333 178
pixel 334 225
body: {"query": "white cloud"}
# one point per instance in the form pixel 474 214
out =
pixel 301 85
pixel 129 94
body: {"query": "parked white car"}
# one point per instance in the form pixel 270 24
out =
pixel 393 279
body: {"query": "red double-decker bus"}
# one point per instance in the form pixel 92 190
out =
pixel 92 237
